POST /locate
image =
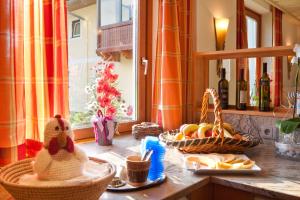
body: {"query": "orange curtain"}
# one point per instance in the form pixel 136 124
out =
pixel 33 73
pixel 173 61
pixel 241 37
pixel 277 41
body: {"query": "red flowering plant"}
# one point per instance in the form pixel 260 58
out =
pixel 105 102
pixel 104 96
pixel 108 96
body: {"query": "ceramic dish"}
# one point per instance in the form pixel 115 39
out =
pixel 203 169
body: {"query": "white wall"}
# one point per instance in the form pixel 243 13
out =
pixel 290 36
pixel 291 30
pixel 206 11
pixel 266 30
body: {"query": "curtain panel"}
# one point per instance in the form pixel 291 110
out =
pixel 173 63
pixel 277 41
pixel 33 73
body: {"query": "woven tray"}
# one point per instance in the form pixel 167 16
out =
pixel 10 174
pixel 146 128
pixel 218 144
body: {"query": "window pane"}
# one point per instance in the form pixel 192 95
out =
pixel 251 32
pixel 110 12
pixel 83 59
pixel 252 43
pixel 75 28
pixel 126 10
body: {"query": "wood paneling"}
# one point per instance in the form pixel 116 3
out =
pixel 152 12
pixel 191 79
pixel 226 193
pixel 199 83
pixel 140 53
pixel 205 192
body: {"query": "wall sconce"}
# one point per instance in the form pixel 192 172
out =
pixel 221 27
pixel 289 65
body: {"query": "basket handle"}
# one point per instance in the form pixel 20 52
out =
pixel 218 123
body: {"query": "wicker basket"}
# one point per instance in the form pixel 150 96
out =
pixel 91 190
pixel 146 128
pixel 217 144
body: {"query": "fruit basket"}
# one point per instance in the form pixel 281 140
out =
pixel 209 138
pixel 92 190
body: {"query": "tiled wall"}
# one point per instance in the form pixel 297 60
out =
pixel 264 126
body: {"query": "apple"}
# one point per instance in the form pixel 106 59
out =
pixel 208 133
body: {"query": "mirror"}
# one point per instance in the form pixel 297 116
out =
pixel 259 22
pixel 288 79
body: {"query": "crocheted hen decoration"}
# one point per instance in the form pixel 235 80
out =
pixel 60 158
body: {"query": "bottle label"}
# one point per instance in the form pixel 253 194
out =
pixel 243 96
pixel 224 95
pixel 265 93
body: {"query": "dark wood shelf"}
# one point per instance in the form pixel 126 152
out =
pixel 246 53
pixel 278 113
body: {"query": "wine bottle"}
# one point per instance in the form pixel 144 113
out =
pixel 264 90
pixel 223 88
pixel 241 92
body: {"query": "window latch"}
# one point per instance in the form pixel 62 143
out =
pixel 145 63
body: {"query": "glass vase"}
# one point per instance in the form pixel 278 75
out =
pixel 288 145
pixel 105 132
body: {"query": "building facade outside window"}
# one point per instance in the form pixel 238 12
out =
pixel 84 54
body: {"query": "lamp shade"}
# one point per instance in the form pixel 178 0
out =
pixel 221 27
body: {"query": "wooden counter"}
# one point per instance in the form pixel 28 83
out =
pixel 179 182
pixel 280 179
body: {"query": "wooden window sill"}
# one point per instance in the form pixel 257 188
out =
pixel 88 132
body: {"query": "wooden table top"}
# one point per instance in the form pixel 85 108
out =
pixel 279 178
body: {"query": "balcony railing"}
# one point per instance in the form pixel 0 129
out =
pixel 115 38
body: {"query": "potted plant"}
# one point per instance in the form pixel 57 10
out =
pixel 106 103
pixel 287 143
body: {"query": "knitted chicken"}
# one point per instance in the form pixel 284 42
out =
pixel 59 159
